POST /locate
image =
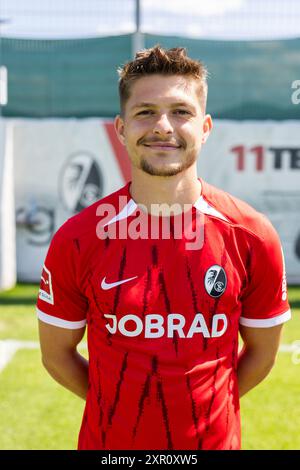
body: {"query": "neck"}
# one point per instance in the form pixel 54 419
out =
pixel 183 188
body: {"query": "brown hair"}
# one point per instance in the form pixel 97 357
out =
pixel 161 61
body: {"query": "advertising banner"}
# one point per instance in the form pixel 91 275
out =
pixel 63 165
pixel 259 162
pixel 7 212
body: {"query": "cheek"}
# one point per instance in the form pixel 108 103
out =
pixel 192 134
pixel 134 132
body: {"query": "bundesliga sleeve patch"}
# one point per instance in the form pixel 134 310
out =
pixel 46 292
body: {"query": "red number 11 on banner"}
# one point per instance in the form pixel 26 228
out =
pixel 240 152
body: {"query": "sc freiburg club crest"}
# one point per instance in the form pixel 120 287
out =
pixel 81 182
pixel 215 281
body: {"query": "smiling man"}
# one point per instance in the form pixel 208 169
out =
pixel 163 316
pixel 174 142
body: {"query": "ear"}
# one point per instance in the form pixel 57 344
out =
pixel 119 128
pixel 207 127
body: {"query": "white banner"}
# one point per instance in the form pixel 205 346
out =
pixel 7 212
pixel 259 162
pixel 63 165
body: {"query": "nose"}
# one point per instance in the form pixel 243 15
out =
pixel 163 125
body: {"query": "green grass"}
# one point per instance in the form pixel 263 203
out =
pixel 37 413
pixel 17 313
pixel 271 411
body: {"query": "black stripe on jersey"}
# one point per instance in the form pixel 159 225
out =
pixel 113 408
pixel 146 291
pixel 172 236
pixel 194 297
pixel 121 273
pixel 90 321
pixel 213 394
pixel 163 290
pixel 234 356
pixel 191 284
pixel 194 413
pixel 145 394
pixel 161 397
pixel 212 311
pixel 76 244
pixel 154 254
pixel 99 395
pixel 106 242
pixel 233 372
pixel 101 412
pixel 118 389
pixel 247 278
pixel 154 365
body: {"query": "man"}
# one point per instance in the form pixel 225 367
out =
pixel 163 314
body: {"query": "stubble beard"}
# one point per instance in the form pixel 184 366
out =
pixel 173 170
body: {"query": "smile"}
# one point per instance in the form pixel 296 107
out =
pixel 162 146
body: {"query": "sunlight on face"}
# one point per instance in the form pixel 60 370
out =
pixel 163 126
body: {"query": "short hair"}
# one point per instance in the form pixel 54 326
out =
pixel 157 60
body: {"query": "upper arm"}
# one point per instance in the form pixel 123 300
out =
pixel 55 340
pixel 264 298
pixel 61 306
pixel 264 340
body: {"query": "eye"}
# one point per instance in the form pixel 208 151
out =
pixel 144 112
pixel 182 112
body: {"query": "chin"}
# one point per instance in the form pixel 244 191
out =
pixel 166 170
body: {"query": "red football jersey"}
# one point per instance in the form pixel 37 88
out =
pixel 162 318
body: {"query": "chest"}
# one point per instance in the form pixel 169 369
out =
pixel 140 277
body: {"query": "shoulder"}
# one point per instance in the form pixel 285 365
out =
pixel 238 213
pixel 84 224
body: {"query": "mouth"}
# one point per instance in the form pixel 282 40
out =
pixel 162 146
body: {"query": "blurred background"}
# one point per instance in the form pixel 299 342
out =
pixel 59 153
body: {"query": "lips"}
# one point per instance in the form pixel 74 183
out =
pixel 162 145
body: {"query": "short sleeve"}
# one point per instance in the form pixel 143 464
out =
pixel 264 301
pixel 60 300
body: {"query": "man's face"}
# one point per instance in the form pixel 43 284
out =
pixel 163 126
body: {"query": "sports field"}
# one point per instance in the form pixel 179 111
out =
pixel 37 413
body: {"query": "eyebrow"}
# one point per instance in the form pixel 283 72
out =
pixel 143 105
pixel 173 105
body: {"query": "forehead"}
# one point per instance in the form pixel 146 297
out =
pixel 155 88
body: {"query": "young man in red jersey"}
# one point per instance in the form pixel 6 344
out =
pixel 163 316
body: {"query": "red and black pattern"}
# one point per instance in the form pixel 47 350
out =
pixel 163 346
pixel 113 407
pixel 144 395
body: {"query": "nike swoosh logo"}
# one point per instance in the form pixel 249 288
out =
pixel 105 285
